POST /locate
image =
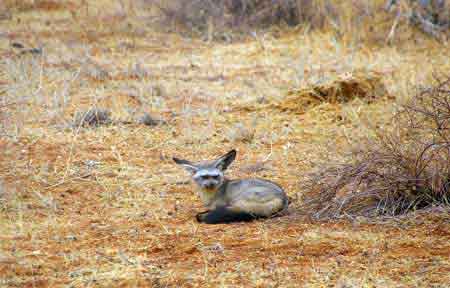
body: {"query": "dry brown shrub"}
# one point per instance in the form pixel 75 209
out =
pixel 429 16
pixel 380 21
pixel 405 169
pixel 366 85
pixel 202 14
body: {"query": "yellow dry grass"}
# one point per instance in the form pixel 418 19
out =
pixel 106 206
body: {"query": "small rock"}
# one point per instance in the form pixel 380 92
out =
pixel 148 120
pixel 17 45
pixel 33 51
pixel 72 238
pixel 217 247
pixel 91 163
pixel 93 117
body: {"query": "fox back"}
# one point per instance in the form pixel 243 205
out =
pixel 233 200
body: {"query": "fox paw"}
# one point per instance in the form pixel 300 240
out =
pixel 201 216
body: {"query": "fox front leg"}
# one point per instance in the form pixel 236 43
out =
pixel 225 214
pixel 201 216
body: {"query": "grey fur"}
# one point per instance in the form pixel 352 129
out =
pixel 258 197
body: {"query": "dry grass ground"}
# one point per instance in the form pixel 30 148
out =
pixel 105 206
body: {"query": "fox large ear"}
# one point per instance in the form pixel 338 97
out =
pixel 224 161
pixel 191 168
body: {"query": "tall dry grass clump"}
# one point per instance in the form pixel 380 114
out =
pixel 403 169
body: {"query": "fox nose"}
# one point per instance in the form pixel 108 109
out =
pixel 209 185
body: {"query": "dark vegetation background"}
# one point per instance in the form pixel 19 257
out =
pixel 205 16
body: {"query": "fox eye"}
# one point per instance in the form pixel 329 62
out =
pixel 206 177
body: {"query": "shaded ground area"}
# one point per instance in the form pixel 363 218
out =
pixel 102 206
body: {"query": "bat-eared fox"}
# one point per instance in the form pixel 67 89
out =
pixel 233 200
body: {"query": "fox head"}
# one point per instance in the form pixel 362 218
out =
pixel 208 175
